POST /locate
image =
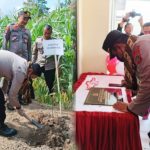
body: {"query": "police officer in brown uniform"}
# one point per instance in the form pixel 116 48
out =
pixel 17 39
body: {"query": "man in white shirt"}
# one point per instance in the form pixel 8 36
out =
pixel 16 69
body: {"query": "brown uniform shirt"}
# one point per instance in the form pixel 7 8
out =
pixel 141 56
pixel 17 40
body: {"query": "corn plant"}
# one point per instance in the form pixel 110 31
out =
pixel 63 22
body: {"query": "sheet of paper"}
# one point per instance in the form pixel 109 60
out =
pixel 53 47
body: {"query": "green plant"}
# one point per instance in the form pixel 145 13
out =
pixel 63 22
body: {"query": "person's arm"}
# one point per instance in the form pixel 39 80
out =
pixel 18 78
pixel 34 52
pixel 29 46
pixel 121 24
pixel 6 38
pixel 141 103
pixel 141 25
pixel 141 54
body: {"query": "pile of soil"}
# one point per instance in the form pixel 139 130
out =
pixel 54 133
pixel 57 132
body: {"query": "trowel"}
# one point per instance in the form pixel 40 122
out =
pixel 34 122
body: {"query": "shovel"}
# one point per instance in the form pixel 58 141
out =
pixel 34 122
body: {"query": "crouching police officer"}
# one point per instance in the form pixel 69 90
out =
pixel 16 69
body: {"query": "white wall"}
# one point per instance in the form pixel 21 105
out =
pixel 92 26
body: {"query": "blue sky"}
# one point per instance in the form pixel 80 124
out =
pixel 8 6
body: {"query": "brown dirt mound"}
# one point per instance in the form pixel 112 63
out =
pixel 55 132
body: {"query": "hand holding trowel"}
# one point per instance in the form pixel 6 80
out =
pixel 34 122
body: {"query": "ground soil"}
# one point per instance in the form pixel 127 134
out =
pixel 57 132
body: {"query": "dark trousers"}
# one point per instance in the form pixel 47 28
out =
pixel 2 107
pixel 31 90
pixel 49 76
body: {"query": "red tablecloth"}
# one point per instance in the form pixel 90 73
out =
pixel 106 131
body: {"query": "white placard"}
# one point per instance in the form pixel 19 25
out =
pixel 53 47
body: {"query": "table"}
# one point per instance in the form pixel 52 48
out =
pixel 102 127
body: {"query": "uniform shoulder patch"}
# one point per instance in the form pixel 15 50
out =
pixel 7 28
pixel 137 55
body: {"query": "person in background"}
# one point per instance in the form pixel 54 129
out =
pixel 146 28
pixel 16 69
pixel 135 53
pixel 47 63
pixel 128 27
pixel 17 39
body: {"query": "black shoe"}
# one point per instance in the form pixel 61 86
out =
pixel 149 134
pixel 6 131
pixel 9 107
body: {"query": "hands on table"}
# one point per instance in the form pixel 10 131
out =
pixel 120 106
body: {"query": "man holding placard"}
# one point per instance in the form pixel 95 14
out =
pixel 43 53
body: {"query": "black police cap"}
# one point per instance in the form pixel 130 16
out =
pixel 24 13
pixel 112 38
pixel 36 69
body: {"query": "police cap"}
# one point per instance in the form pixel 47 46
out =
pixel 36 69
pixel 25 14
pixel 111 39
